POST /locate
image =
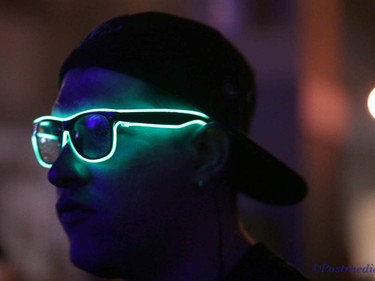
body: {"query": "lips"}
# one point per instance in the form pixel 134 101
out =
pixel 72 212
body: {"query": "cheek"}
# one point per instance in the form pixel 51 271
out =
pixel 148 176
pixel 145 174
pixel 156 155
pixel 141 202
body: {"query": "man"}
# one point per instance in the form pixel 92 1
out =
pixel 145 148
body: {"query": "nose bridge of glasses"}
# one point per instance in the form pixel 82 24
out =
pixel 66 138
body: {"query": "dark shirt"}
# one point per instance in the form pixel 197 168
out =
pixel 260 264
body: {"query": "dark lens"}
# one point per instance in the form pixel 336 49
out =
pixel 49 135
pixel 92 136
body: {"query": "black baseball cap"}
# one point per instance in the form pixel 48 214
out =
pixel 194 63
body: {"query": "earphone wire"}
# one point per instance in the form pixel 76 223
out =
pixel 220 255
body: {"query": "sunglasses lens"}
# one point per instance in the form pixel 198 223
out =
pixel 48 137
pixel 92 136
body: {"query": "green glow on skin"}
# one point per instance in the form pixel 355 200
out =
pixel 66 136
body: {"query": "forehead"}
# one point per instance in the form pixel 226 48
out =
pixel 94 87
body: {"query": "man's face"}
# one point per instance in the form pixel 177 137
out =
pixel 133 209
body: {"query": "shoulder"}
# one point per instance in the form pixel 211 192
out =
pixel 261 264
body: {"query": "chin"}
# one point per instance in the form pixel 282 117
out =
pixel 96 264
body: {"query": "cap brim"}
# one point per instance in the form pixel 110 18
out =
pixel 262 176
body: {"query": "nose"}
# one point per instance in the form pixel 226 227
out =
pixel 68 171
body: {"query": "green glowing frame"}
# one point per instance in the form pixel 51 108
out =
pixel 161 118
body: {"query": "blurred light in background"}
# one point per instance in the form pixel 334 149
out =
pixel 371 102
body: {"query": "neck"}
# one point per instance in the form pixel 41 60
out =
pixel 209 249
pixel 217 245
pixel 235 241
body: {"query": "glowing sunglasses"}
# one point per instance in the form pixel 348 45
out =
pixel 92 134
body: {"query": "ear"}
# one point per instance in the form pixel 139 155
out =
pixel 211 145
